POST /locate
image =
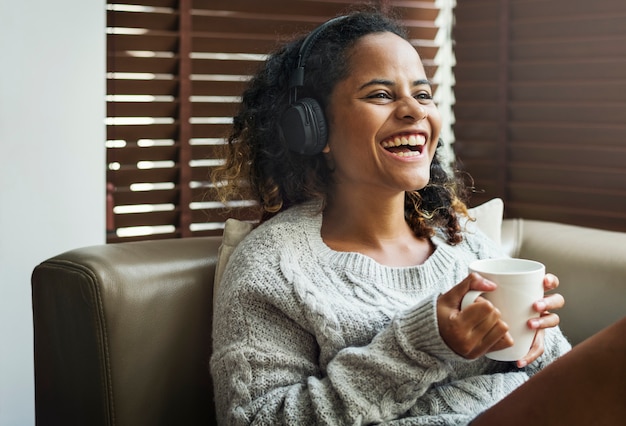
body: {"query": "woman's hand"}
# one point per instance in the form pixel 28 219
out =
pixel 546 319
pixel 478 328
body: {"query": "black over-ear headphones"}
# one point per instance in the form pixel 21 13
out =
pixel 303 125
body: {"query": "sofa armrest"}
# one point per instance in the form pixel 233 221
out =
pixel 123 333
pixel 590 264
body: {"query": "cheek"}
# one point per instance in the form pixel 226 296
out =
pixel 347 134
pixel 435 120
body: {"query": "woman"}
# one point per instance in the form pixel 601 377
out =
pixel 343 305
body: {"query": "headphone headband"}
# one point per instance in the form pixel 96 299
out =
pixel 297 77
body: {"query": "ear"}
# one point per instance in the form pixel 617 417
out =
pixel 328 157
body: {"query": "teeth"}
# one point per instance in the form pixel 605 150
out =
pixel 412 140
pixel 408 154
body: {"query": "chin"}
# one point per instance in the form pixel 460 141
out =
pixel 419 184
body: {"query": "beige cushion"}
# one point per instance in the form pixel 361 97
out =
pixel 234 231
pixel 488 219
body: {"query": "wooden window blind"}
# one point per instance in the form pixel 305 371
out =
pixel 541 107
pixel 175 72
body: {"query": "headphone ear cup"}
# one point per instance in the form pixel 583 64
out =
pixel 303 127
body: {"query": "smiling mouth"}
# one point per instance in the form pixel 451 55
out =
pixel 406 145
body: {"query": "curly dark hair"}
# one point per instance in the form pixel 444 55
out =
pixel 259 163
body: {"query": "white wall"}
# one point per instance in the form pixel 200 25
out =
pixel 52 156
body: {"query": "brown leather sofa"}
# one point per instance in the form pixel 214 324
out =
pixel 122 331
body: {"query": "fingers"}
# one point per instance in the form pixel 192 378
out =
pixel 544 306
pixel 546 320
pixel 476 330
pixel 549 303
pixel 504 342
pixel 550 282
pixel 478 283
pixel 484 320
pixel 473 281
pixel 535 351
pixel 449 303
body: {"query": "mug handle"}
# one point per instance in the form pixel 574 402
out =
pixel 469 298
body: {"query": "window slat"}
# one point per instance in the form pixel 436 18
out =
pixel 146 219
pixel 214 109
pixel 145 20
pixel 149 131
pixel 142 109
pixel 218 88
pixel 232 67
pixel 210 130
pixel 134 154
pixel 137 64
pixel 149 42
pixel 148 3
pixel 125 196
pixel 130 175
pixel 235 43
pixel 142 87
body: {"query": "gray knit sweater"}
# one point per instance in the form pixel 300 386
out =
pixel 304 335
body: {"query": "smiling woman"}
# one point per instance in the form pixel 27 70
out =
pixel 344 305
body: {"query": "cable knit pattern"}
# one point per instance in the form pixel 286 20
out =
pixel 305 335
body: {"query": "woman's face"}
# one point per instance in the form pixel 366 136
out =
pixel 383 123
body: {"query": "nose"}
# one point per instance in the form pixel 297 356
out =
pixel 411 109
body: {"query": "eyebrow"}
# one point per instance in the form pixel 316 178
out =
pixel 383 82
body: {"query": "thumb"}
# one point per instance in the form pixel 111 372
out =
pixel 472 282
pixel 479 283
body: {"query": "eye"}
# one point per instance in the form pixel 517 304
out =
pixel 379 95
pixel 424 97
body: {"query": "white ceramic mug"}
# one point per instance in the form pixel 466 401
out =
pixel 520 284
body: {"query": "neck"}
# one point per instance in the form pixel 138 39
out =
pixel 365 218
pixel 374 226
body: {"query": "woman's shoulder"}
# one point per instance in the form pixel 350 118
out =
pixel 258 266
pixel 290 223
pixel 287 230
